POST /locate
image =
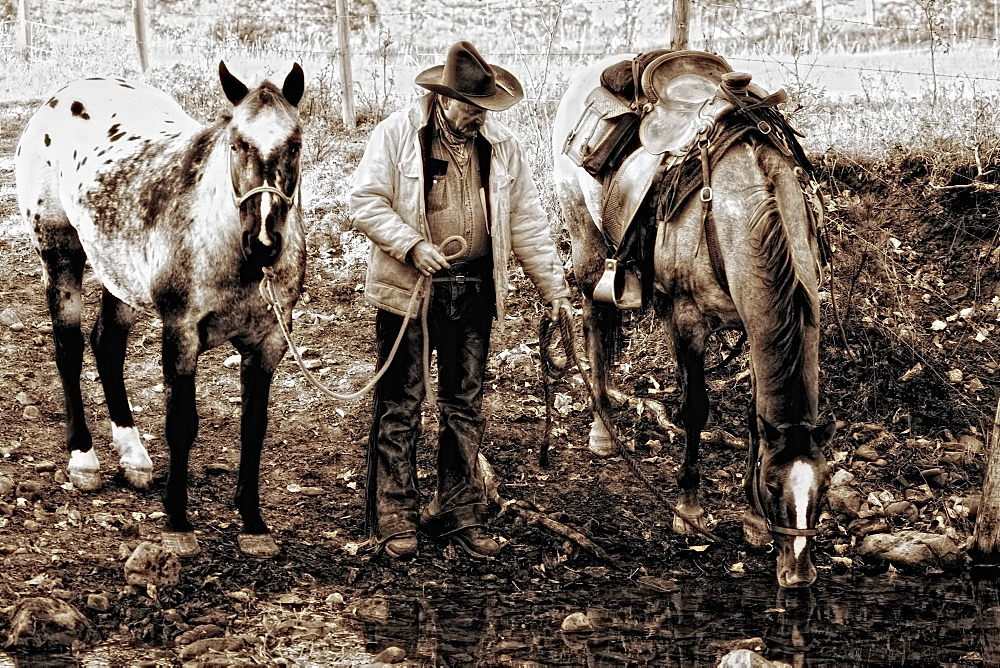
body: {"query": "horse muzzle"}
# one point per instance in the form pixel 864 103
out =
pixel 259 253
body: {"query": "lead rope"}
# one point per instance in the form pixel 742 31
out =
pixel 271 299
pixel 555 368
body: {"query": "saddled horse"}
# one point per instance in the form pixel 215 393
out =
pixel 176 219
pixel 737 251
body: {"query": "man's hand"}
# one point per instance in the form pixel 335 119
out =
pixel 427 258
pixel 559 306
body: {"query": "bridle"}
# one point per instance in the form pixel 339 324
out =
pixel 239 199
pixel 758 507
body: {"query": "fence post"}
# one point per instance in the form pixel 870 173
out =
pixel 986 538
pixel 346 78
pixel 679 24
pixel 24 34
pixel 139 18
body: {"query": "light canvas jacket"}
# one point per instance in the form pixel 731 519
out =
pixel 387 204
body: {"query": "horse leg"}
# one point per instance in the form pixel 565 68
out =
pixel 601 326
pixel 689 335
pixel 180 357
pixel 63 262
pixel 256 372
pixel 755 531
pixel 108 340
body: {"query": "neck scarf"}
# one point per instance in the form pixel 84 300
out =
pixel 453 141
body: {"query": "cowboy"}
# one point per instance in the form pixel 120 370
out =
pixel 444 168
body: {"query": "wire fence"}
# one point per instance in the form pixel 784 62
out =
pixel 557 34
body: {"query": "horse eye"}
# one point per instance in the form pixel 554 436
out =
pixel 773 489
pixel 232 147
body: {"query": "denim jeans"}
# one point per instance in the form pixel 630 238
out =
pixel 460 321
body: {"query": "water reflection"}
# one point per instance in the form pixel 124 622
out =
pixel 884 620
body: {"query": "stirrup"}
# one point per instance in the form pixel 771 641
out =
pixel 618 286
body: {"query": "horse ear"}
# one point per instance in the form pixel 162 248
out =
pixel 771 434
pixel 823 435
pixel 295 84
pixel 234 89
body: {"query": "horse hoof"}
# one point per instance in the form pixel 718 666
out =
pixel 682 527
pixel 755 530
pixel 138 478
pixel 86 481
pixel 181 543
pixel 602 447
pixel 259 545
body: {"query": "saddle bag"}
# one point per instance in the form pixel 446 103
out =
pixel 605 131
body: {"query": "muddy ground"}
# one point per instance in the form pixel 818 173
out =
pixel 320 597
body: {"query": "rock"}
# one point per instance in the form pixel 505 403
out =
pixel 31 413
pixel 903 509
pixel 391 655
pixel 7 486
pixel 45 466
pixel 868 525
pixel 26 399
pixel 576 622
pixel 919 495
pixel 845 500
pixel 212 645
pixel 29 490
pixel 98 602
pixel 9 317
pixel 866 453
pixel 910 548
pixel 745 658
pixel 200 632
pixel 841 478
pixel 151 564
pixel 374 610
pixel 968 507
pixel 971 444
pixel 39 622
pixel 935 476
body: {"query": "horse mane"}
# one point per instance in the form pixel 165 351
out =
pixel 792 305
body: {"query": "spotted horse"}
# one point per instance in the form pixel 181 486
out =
pixel 178 220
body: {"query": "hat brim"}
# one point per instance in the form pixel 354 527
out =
pixel 508 93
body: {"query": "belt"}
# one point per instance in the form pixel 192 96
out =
pixel 457 279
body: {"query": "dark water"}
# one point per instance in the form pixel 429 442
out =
pixel 842 621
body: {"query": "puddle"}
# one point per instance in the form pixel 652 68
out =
pixel 841 621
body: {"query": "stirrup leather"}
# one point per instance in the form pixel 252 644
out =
pixel 618 286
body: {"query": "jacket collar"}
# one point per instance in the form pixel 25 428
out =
pixel 420 113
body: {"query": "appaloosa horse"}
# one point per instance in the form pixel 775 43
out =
pixel 738 251
pixel 179 220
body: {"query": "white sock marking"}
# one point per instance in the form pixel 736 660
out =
pixel 128 443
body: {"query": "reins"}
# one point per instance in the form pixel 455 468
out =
pixel 271 299
pixel 553 369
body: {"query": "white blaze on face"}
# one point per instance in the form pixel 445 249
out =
pixel 801 480
pixel 265 208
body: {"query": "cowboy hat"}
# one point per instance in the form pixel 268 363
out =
pixel 466 76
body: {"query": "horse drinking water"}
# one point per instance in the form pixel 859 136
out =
pixel 682 186
pixel 179 220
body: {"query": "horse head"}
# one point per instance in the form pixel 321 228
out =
pixel 785 486
pixel 265 141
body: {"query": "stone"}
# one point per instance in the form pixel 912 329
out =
pixel 29 490
pixel 845 500
pixel 98 602
pixel 152 564
pixel 31 413
pixel 374 610
pixel 9 317
pixel 866 452
pixel 868 525
pixel 903 509
pixel 576 622
pixel 841 478
pixel 200 632
pixel 212 645
pixel 911 549
pixel 919 495
pixel 391 655
pixel 971 444
pixel 746 658
pixel 40 622
pixel 7 487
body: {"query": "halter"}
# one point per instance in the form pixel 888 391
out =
pixel 759 508
pixel 238 199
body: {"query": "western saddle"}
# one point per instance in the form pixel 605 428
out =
pixel 649 116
